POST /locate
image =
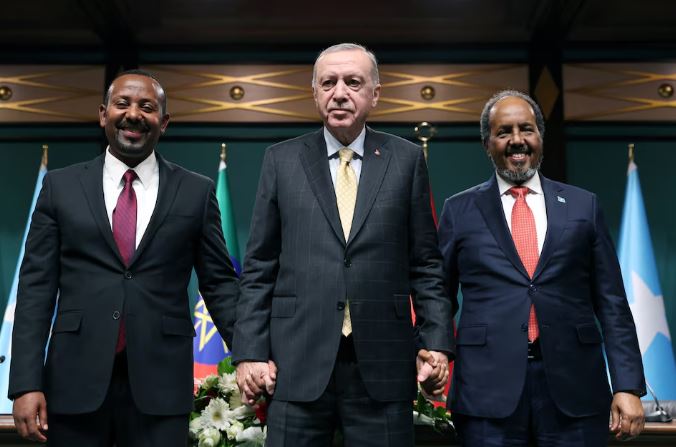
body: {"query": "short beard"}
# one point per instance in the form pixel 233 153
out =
pixel 517 177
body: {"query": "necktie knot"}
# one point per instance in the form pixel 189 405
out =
pixel 518 192
pixel 129 177
pixel 345 154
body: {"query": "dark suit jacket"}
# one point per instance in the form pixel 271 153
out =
pixel 576 285
pixel 71 252
pixel 299 270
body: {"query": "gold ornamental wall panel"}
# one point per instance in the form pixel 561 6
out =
pixel 50 93
pixel 283 93
pixel 620 92
pixel 256 93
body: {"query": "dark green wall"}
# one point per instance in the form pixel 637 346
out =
pixel 596 160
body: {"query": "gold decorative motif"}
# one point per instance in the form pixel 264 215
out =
pixel 425 132
pixel 5 92
pixel 665 90
pixel 612 91
pixel 237 93
pixel 427 92
pixel 546 92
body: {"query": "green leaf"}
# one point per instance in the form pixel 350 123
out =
pixel 225 366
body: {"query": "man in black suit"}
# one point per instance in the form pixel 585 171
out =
pixel 116 239
pixel 542 298
pixel 342 233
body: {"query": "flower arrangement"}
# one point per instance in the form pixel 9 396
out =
pixel 220 419
pixel 426 413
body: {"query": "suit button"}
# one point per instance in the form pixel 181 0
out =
pixel 532 290
pixel 340 305
pixel 524 327
pixel 128 275
pixel 116 315
pixel 347 262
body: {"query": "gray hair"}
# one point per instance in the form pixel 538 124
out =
pixel 485 114
pixel 375 77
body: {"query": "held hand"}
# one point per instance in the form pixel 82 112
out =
pixel 253 378
pixel 271 378
pixel 432 369
pixel 30 416
pixel 627 416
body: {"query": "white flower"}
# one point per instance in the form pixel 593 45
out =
pixel 195 427
pixel 235 429
pixel 252 437
pixel 210 381
pixel 235 400
pixel 217 414
pixel 242 412
pixel 227 383
pixel 210 437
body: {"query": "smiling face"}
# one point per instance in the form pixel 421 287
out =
pixel 345 92
pixel 515 143
pixel 133 118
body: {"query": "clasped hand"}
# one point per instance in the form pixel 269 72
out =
pixel 256 378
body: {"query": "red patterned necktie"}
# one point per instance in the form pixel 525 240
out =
pixel 526 241
pixel 124 232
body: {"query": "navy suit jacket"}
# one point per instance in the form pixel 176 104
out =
pixel 299 270
pixel 71 254
pixel 578 295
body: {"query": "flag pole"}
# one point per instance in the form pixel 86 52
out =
pixel 223 152
pixel 631 152
pixel 45 148
pixel 424 132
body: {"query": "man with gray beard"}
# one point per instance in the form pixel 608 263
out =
pixel 542 296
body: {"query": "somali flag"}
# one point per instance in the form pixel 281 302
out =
pixel 208 346
pixel 8 321
pixel 642 285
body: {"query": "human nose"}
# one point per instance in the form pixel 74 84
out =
pixel 517 138
pixel 133 113
pixel 340 92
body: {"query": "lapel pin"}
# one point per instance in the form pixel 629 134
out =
pixel 377 152
pixel 560 199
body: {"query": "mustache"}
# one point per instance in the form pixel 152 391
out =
pixel 518 149
pixel 133 126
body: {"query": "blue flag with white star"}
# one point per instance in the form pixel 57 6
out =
pixel 639 271
pixel 8 321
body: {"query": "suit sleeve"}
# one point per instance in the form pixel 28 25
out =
pixel 612 310
pixel 430 300
pixel 36 296
pixel 252 331
pixel 447 244
pixel 215 273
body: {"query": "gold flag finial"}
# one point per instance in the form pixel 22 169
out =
pixel 424 132
pixel 631 152
pixel 223 152
pixel 45 148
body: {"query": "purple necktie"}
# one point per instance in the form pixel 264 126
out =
pixel 124 232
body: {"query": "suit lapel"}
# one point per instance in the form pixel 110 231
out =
pixel 373 170
pixel 490 205
pixel 314 160
pixel 557 214
pixel 166 193
pixel 92 184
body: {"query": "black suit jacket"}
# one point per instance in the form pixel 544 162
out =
pixel 577 284
pixel 71 253
pixel 299 269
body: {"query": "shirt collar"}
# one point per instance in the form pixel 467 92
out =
pixel 333 145
pixel 115 168
pixel 533 184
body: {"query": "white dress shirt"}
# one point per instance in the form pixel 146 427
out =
pixel 146 185
pixel 333 146
pixel 535 200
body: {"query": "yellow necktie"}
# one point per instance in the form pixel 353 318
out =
pixel 346 197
